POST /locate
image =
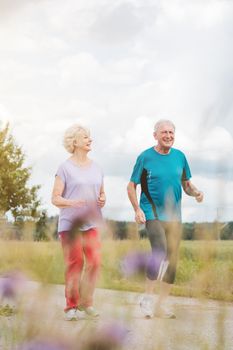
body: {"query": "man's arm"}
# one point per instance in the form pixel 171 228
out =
pixel 191 190
pixel 132 194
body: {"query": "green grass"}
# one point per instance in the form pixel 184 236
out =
pixel 205 268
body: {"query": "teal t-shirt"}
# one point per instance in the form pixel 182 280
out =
pixel 161 175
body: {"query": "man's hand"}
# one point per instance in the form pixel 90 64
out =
pixel 140 216
pixel 199 197
pixel 191 190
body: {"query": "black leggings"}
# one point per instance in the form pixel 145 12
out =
pixel 164 239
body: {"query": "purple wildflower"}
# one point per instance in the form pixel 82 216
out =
pixel 108 337
pixel 154 263
pixel 134 262
pixel 115 332
pixel 87 214
pixel 11 283
pixel 42 345
pixel 141 262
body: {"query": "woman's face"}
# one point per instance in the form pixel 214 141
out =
pixel 83 141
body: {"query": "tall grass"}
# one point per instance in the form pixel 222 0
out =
pixel 205 268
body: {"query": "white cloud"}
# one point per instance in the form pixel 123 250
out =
pixel 117 199
pixel 117 23
pixel 214 144
pixel 217 204
pixel 217 144
pixel 4 115
pixel 136 139
pixel 82 68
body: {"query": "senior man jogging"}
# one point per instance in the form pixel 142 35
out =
pixel 161 171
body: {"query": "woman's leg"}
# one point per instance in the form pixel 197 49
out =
pixel 91 249
pixel 73 257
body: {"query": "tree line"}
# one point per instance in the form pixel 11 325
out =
pixel 45 229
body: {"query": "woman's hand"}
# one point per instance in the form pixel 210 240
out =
pixel 101 200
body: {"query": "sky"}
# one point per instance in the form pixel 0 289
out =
pixel 118 66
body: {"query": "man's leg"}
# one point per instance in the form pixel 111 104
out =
pixel 164 291
pixel 156 262
pixel 173 236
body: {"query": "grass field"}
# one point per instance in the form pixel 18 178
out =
pixel 205 268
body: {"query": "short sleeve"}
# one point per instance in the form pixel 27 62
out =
pixel 61 173
pixel 186 170
pixel 137 170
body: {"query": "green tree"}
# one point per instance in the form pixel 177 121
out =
pixel 41 231
pixel 16 196
pixel 188 231
pixel 227 231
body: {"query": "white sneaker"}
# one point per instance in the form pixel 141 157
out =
pixel 146 305
pixel 74 315
pixel 71 315
pixel 80 314
pixel 89 310
pixel 161 312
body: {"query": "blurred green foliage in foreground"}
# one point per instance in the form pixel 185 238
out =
pixel 205 268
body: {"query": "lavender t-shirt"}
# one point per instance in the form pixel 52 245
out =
pixel 81 183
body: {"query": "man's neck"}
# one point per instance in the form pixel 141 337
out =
pixel 162 150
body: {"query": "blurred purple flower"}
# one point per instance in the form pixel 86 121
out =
pixel 109 337
pixel 114 332
pixel 134 262
pixel 141 262
pixel 155 260
pixel 11 283
pixel 42 345
pixel 87 214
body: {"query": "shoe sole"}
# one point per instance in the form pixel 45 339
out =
pixel 172 317
pixel 71 319
pixel 148 317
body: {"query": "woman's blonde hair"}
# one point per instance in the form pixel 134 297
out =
pixel 71 135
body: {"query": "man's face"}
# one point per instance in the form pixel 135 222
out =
pixel 165 135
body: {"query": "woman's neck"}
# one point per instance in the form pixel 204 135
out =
pixel 80 158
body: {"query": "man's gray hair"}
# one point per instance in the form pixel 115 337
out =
pixel 163 121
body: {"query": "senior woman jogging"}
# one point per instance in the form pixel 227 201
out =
pixel 79 194
pixel 161 171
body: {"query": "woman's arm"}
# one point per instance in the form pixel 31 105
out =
pixel 61 202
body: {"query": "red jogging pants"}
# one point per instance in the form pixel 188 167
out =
pixel 82 262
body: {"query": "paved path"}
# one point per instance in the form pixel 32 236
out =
pixel 206 325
